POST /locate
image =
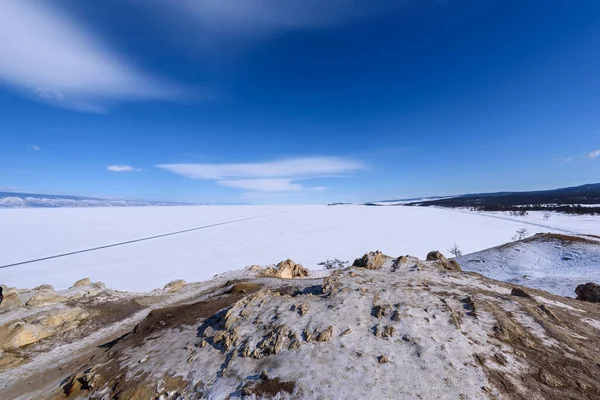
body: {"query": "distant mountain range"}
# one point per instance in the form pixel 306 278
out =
pixel 24 200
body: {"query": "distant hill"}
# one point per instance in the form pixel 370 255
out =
pixel 577 200
pixel 25 200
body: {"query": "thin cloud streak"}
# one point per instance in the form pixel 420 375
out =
pixel 238 22
pixel 275 176
pixel 263 185
pixel 48 56
pixel 295 167
pixel 122 168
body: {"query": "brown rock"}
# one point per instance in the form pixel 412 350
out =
pixel 44 287
pixel 381 311
pixel 451 265
pixel 383 359
pixel 19 333
pixel 302 309
pixel 83 282
pixel 372 260
pixel 44 298
pixel 11 300
pixel 326 335
pixel 589 292
pixel 388 331
pixel 435 256
pixel 287 269
pixel 174 286
pixel 377 331
pixel 520 293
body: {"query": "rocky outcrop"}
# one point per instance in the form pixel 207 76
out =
pixel 435 256
pixel 287 269
pixel 44 287
pixel 372 260
pixel 589 292
pixel 82 283
pixel 442 262
pixel 11 299
pixel 19 333
pixel 174 286
pixel 424 332
pixel 45 297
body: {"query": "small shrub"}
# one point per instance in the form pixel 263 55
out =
pixel 547 216
pixel 520 234
pixel 334 264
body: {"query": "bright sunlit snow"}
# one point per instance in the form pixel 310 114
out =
pixel 306 234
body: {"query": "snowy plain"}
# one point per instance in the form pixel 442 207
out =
pixel 306 234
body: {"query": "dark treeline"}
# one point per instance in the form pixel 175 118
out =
pixel 565 200
pixel 567 209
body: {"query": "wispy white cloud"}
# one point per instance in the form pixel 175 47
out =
pixel 273 14
pixel 275 176
pixel 594 154
pixel 293 167
pixel 263 185
pixel 33 147
pixel 122 168
pixel 47 55
pixel 243 20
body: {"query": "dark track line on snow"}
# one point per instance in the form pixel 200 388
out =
pixel 133 241
pixel 521 222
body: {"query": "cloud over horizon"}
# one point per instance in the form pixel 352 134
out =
pixel 49 56
pixel 275 176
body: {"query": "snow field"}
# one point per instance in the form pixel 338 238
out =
pixel 306 234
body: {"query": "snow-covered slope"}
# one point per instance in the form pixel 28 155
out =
pixel 21 200
pixel 393 328
pixel 551 262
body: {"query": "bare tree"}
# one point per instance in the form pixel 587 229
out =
pixel 455 250
pixel 520 234
pixel 547 216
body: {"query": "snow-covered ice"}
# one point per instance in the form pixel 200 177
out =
pixel 306 234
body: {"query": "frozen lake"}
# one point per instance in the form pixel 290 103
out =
pixel 246 235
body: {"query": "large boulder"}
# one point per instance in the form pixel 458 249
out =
pixel 588 292
pixel 372 260
pixel 442 263
pixel 83 282
pixel 18 333
pixel 11 300
pixel 44 298
pixel 435 256
pixel 287 269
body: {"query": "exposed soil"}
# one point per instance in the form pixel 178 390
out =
pixel 268 388
pixel 187 314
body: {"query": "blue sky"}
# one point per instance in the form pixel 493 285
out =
pixel 297 101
